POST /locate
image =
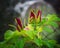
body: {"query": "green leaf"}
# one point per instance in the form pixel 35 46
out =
pixel 20 43
pixel 49 43
pixel 8 34
pixel 10 46
pixel 58 19
pixel 53 42
pixel 42 22
pixel 6 45
pixel 52 17
pixel 30 34
pixel 48 29
pixel 37 41
pixel 54 24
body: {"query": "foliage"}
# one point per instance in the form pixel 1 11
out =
pixel 30 36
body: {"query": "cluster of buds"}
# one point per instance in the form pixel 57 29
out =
pixel 32 16
pixel 35 17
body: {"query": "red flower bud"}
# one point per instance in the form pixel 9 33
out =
pixel 32 15
pixel 19 24
pixel 39 14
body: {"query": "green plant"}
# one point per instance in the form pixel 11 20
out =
pixel 30 35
